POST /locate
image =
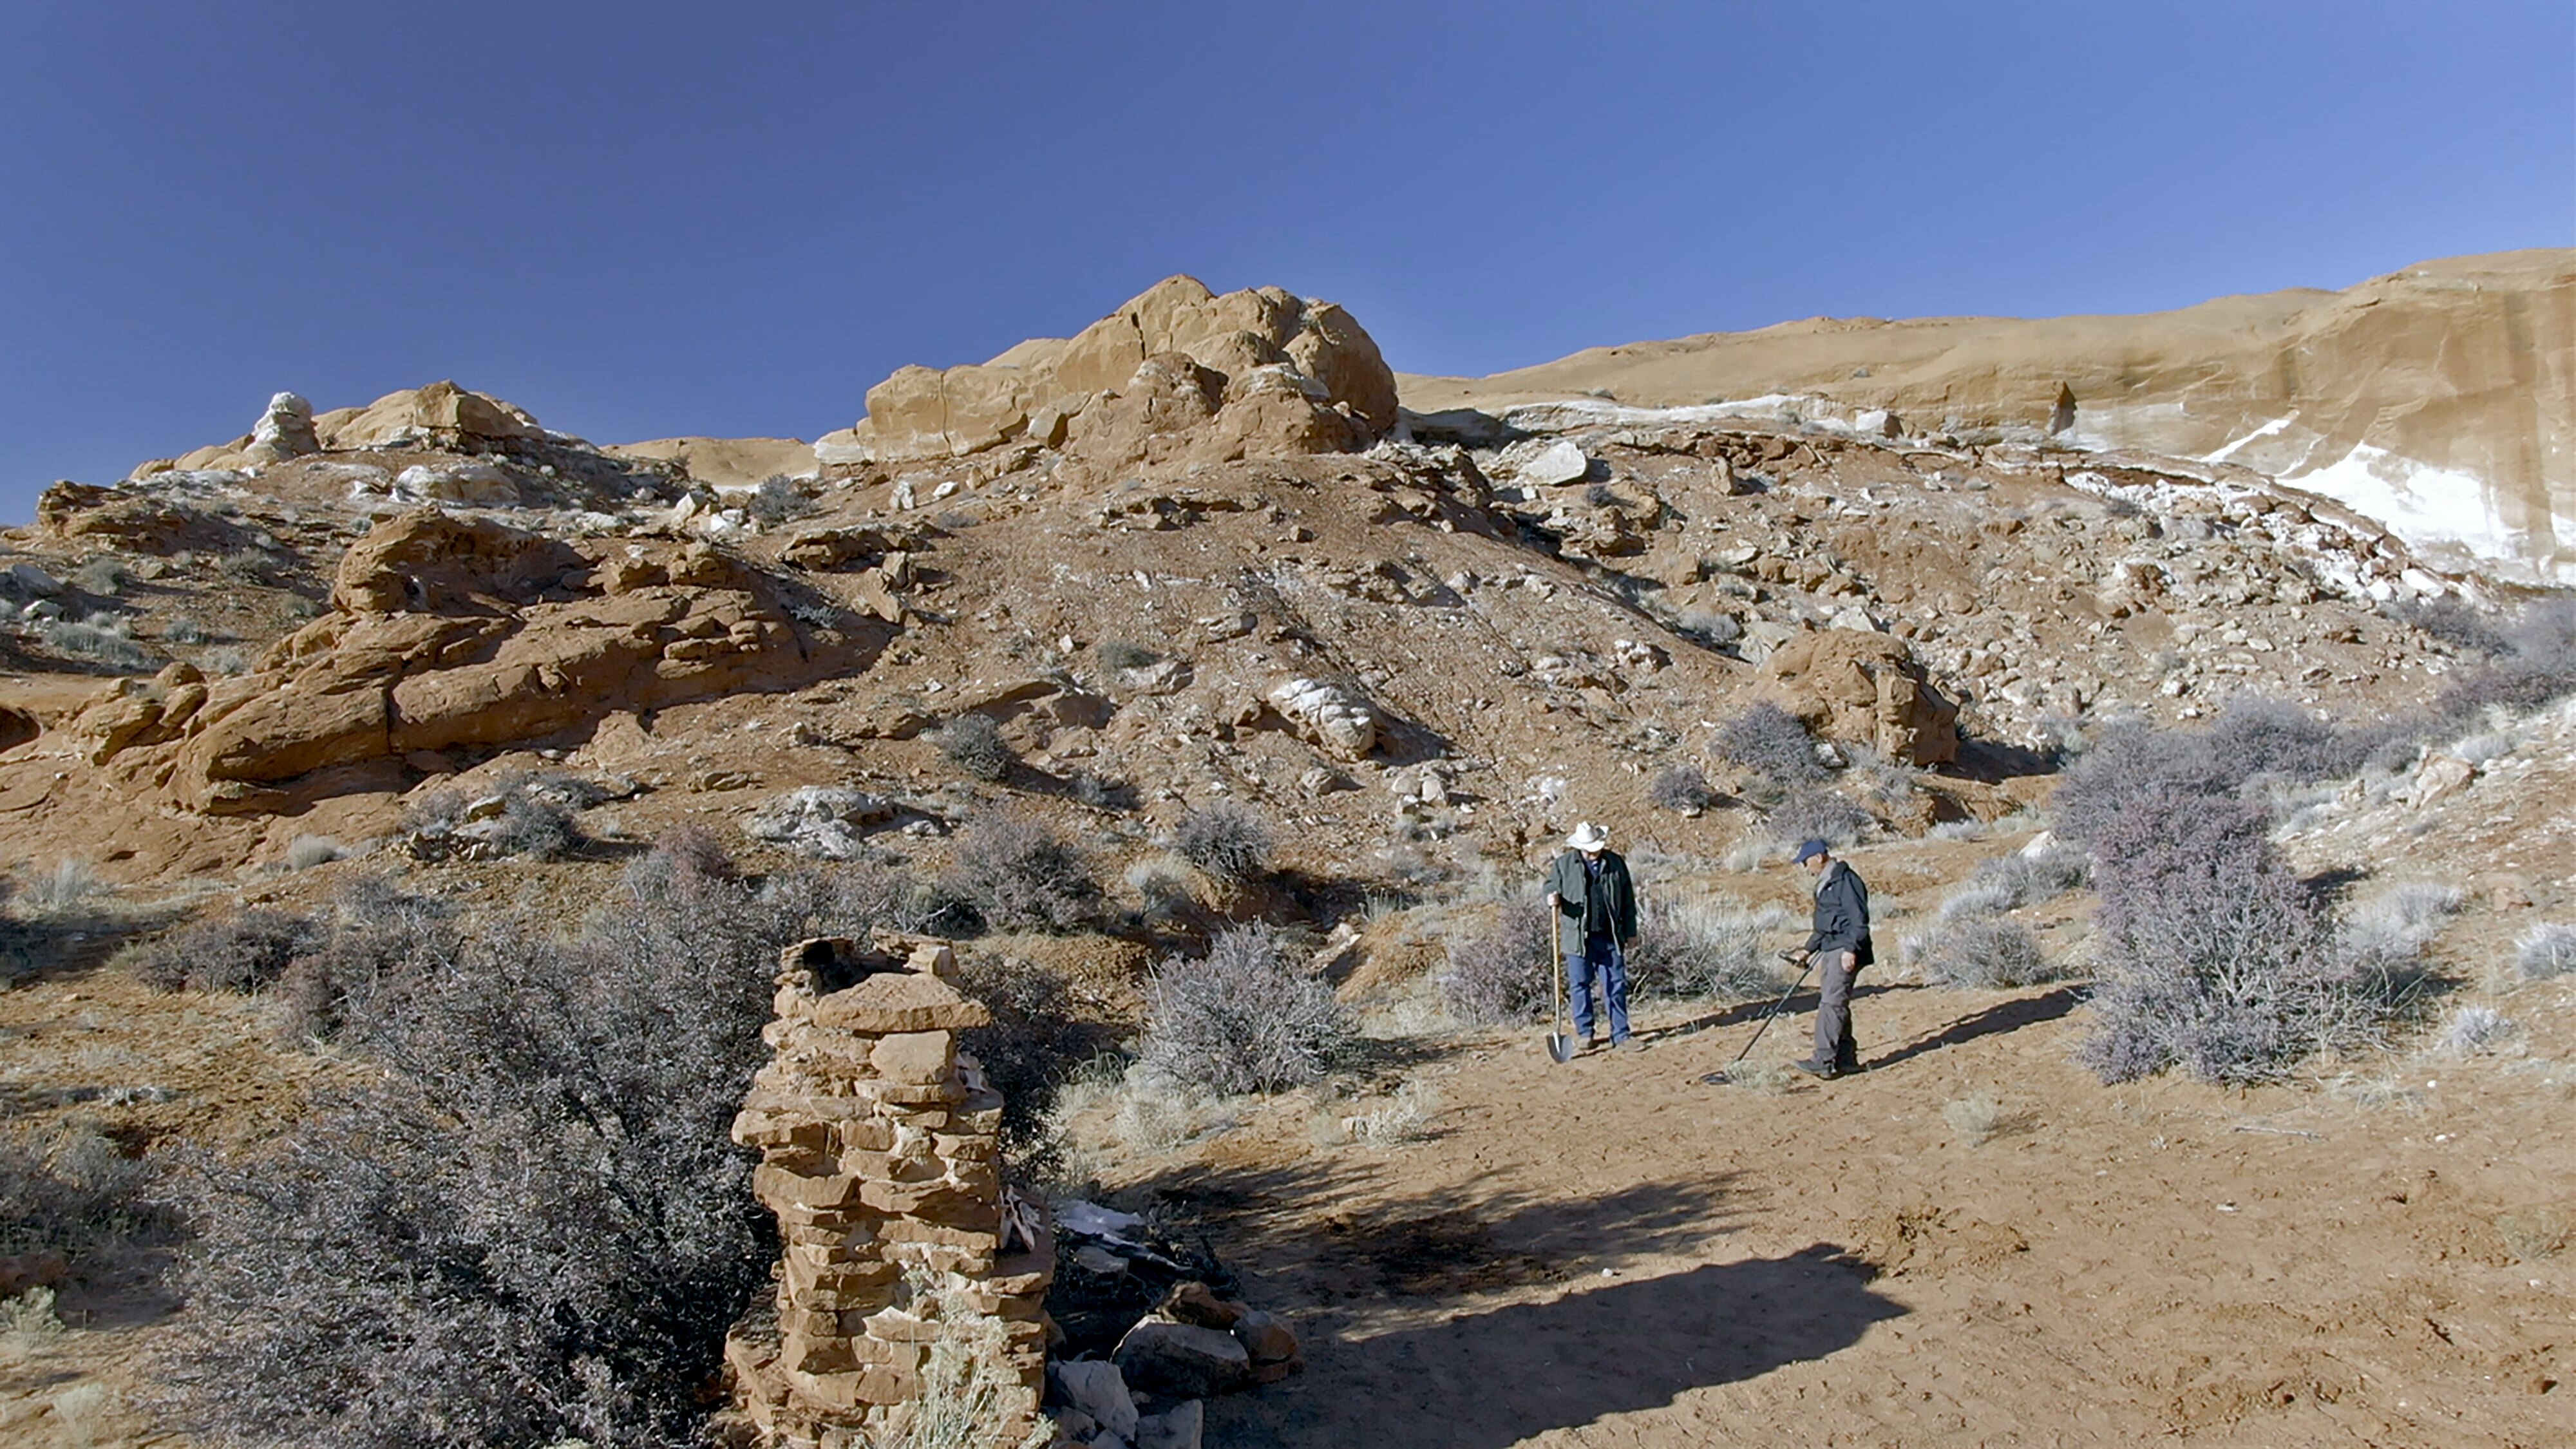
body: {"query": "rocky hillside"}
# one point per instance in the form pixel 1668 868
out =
pixel 1232 570
pixel 1189 660
pixel 2436 399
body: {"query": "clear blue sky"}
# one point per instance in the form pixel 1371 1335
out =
pixel 640 219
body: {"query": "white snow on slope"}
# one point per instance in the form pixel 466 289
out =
pixel 2438 509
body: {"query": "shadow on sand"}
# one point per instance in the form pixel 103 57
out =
pixel 1495 1378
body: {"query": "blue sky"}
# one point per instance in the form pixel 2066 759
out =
pixel 640 219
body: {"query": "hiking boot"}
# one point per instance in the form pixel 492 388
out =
pixel 1821 1071
pixel 1591 1044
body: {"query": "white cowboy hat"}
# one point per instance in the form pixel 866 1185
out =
pixel 1588 837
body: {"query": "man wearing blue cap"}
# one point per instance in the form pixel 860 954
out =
pixel 1838 947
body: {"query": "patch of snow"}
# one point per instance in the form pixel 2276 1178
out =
pixel 2265 431
pixel 2441 508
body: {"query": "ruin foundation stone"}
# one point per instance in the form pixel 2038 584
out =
pixel 880 1158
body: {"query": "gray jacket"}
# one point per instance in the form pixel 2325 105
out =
pixel 1573 886
pixel 1842 914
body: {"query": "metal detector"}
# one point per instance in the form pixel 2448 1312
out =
pixel 1806 963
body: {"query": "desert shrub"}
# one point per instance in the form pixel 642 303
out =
pixel 974 744
pixel 102 573
pixel 2535 666
pixel 105 643
pixel 225 662
pixel 778 499
pixel 1100 792
pixel 2393 927
pixel 1118 654
pixel 1242 1018
pixel 1680 788
pixel 245 566
pixel 1772 743
pixel 374 947
pixel 68 889
pixel 243 951
pixel 1720 951
pixel 1018 874
pixel 2212 956
pixel 184 630
pixel 307 851
pixel 72 1192
pixel 1980 950
pixel 2009 882
pixel 2452 621
pixel 526 814
pixel 2547 950
pixel 1501 968
pixel 1228 841
pixel 1815 813
pixel 531 1227
pixel 966 1387
pixel 2474 1029
pixel 1040 1035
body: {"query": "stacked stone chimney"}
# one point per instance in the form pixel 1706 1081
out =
pixel 880 1157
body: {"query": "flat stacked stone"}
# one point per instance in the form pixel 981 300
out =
pixel 880 1156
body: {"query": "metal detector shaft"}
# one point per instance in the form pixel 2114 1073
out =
pixel 1809 965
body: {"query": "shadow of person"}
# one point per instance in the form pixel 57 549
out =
pixel 2001 1017
pixel 1497 1378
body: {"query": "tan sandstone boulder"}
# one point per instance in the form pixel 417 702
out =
pixel 1848 684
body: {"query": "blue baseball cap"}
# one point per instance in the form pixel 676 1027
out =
pixel 1809 850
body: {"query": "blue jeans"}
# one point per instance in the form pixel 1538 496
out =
pixel 1600 957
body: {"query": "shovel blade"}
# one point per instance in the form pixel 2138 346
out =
pixel 1560 1046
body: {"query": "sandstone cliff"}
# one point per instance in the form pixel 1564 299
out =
pixel 2440 400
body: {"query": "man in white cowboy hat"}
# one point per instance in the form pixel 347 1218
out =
pixel 1595 905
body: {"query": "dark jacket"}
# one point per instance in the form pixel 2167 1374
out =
pixel 1573 885
pixel 1842 914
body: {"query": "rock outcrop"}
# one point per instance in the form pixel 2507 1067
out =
pixel 1868 688
pixel 440 416
pixel 450 633
pixel 880 1156
pixel 1272 372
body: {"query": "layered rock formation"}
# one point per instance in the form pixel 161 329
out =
pixel 880 1158
pixel 2440 400
pixel 1274 372
pixel 452 634
pixel 440 416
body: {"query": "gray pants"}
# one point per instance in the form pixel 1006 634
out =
pixel 1833 1011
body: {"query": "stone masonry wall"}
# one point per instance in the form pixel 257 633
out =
pixel 880 1158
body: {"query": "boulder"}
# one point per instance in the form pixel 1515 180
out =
pixel 284 431
pixel 1181 1360
pixel 441 415
pixel 427 561
pixel 1328 715
pixel 1270 1344
pixel 1180 1427
pixel 481 484
pixel 1854 685
pixel 818 820
pixel 1042 390
pixel 1097 1389
pixel 1558 463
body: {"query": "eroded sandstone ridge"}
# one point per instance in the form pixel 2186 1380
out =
pixel 452 633
pixel 1272 373
pixel 881 1159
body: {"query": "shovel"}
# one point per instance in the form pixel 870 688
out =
pixel 1725 1074
pixel 1560 1042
